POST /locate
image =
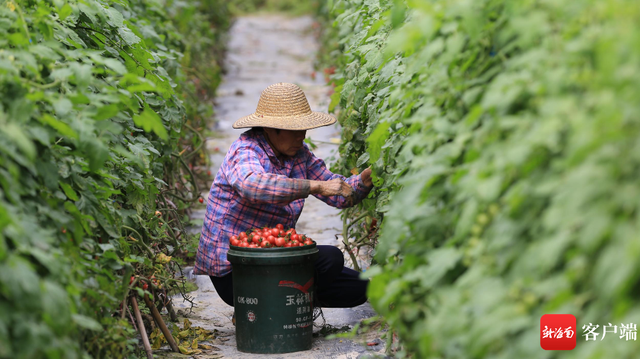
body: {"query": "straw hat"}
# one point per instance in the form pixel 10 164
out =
pixel 284 106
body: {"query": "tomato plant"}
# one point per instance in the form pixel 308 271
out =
pixel 95 150
pixel 503 141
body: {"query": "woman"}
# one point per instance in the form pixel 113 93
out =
pixel 263 181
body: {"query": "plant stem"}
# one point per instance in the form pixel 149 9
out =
pixel 143 332
pixel 163 327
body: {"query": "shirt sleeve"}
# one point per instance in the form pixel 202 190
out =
pixel 318 171
pixel 250 180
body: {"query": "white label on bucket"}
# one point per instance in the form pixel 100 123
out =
pixel 251 316
pixel 249 301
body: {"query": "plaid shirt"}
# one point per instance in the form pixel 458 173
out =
pixel 254 189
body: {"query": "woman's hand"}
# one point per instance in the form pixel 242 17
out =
pixel 334 187
pixel 366 177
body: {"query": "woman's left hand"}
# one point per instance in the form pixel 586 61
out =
pixel 366 177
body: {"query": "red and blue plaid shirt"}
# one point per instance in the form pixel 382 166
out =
pixel 254 189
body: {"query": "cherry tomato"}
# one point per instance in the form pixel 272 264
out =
pixel 200 200
pixel 288 244
pixel 234 237
pixel 294 243
pixel 145 286
pixel 132 279
pixel 243 235
pixel 244 244
pixel 274 231
pixel 271 240
pixel 280 241
pixel 308 242
pixel 280 226
pixel 281 233
pixel 295 237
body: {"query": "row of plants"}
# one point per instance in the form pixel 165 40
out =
pixel 503 138
pixel 100 155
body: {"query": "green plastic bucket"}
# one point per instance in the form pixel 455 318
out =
pixel 273 298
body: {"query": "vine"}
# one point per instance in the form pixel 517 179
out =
pixel 503 141
pixel 101 116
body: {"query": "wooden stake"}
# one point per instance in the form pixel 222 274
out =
pixel 143 332
pixel 156 315
pixel 169 305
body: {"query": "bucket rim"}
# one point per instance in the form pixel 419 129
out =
pixel 272 252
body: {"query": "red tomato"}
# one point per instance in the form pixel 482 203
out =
pixel 288 244
pixel 243 235
pixel 308 242
pixel 274 231
pixel 280 226
pixel 244 244
pixel 256 239
pixel 288 231
pixel 253 245
pixel 145 286
pixel 280 241
pixel 294 243
pixel 266 244
pixel 295 237
pixel 271 240
pixel 132 279
pixel 234 237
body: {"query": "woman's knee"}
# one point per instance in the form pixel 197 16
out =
pixel 332 255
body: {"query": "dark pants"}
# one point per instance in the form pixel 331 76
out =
pixel 336 285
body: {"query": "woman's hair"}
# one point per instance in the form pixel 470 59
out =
pixel 261 129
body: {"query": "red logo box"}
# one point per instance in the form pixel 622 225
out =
pixel 558 332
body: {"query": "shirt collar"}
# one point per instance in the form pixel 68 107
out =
pixel 262 141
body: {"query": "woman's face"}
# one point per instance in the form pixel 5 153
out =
pixel 287 142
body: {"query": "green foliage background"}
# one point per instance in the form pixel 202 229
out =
pixel 503 136
pixel 99 129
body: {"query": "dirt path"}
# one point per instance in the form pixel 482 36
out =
pixel 264 50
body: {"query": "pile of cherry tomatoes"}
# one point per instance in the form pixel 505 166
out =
pixel 270 237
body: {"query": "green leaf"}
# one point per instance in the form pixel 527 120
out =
pixel 96 152
pixel 150 121
pixel 86 322
pixel 61 127
pixel 116 66
pixel 107 112
pixel 64 12
pixel 15 134
pixel 128 36
pixel 115 17
pixel 63 106
pixel 363 159
pixel 71 194
pixel 377 139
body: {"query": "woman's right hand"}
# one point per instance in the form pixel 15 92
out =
pixel 334 187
